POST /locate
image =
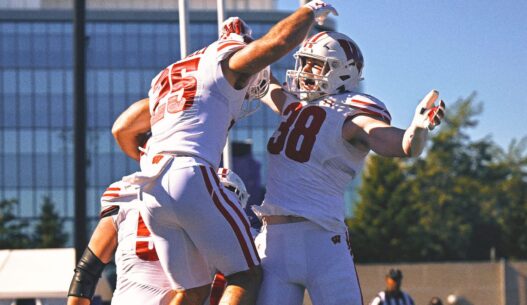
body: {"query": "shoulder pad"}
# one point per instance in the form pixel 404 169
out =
pixel 367 104
pixel 115 194
pixel 226 47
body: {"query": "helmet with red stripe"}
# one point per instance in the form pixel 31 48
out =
pixel 236 26
pixel 234 183
pixel 340 61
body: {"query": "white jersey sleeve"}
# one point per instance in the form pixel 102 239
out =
pixel 117 193
pixel 363 104
pixel 227 47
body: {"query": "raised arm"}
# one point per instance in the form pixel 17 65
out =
pixel 281 38
pixel 130 126
pixel 370 132
pixel 426 117
pixel 276 96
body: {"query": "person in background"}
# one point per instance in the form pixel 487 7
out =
pixel 393 293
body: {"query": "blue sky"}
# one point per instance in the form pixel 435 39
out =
pixel 455 46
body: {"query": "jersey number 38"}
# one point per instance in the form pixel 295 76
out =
pixel 298 132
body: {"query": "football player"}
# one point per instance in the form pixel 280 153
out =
pixel 192 103
pixel 327 130
pixel 140 277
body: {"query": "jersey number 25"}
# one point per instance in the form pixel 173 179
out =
pixel 176 81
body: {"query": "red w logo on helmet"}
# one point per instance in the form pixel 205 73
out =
pixel 352 53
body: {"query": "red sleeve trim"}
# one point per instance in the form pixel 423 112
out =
pixel 228 44
pixel 109 211
pixel 110 195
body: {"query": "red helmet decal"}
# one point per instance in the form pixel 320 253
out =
pixel 352 53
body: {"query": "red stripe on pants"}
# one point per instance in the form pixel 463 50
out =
pixel 237 208
pixel 228 217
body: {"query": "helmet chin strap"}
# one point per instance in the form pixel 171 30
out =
pixel 311 95
pixel 296 85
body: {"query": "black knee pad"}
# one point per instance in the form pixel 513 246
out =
pixel 87 274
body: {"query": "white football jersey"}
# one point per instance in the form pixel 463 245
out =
pixel 192 105
pixel 136 258
pixel 139 272
pixel 310 164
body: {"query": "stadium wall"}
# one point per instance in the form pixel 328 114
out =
pixel 474 283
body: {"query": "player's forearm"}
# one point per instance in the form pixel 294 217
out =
pixel 275 96
pixel 72 300
pixel 130 125
pixel 84 282
pixel 282 38
pixel 414 141
pixel 99 252
pixel 289 33
pixel 128 144
pixel 103 241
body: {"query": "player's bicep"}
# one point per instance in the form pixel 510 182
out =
pixel 376 134
pixel 104 239
pixel 130 125
pixel 134 120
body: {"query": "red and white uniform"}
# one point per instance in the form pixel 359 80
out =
pixel 319 163
pixel 310 165
pixel 140 277
pixel 197 225
pixel 192 104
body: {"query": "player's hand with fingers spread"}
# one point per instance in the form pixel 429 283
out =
pixel 427 114
pixel 321 10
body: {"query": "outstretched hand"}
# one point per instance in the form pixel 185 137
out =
pixel 427 114
pixel 321 10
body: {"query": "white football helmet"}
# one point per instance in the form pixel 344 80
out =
pixel 234 183
pixel 342 66
pixel 257 89
pixel 260 84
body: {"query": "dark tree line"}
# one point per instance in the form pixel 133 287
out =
pixel 16 232
pixel 458 201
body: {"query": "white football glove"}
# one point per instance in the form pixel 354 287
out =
pixel 427 114
pixel 321 10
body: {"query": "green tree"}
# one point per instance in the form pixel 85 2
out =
pixel 453 184
pixel 383 221
pixel 440 206
pixel 510 209
pixel 12 229
pixel 49 229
